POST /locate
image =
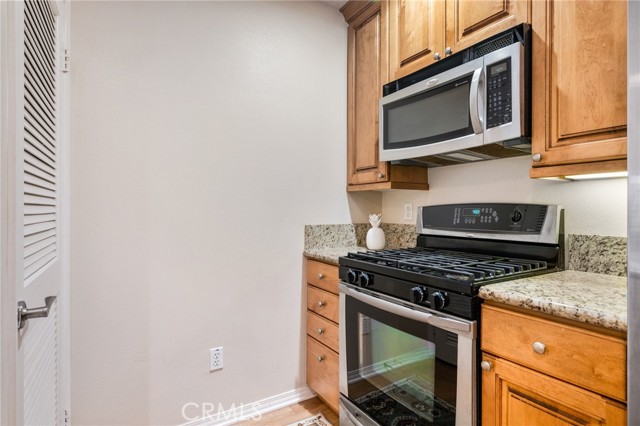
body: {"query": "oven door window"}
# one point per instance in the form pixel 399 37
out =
pixel 400 371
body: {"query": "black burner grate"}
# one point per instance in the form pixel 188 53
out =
pixel 459 266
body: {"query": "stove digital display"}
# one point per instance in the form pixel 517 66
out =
pixel 471 212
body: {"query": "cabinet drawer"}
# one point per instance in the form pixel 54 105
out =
pixel 322 303
pixel 586 358
pixel 322 372
pixel 323 276
pixel 322 330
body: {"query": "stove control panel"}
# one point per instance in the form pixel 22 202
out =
pixel 484 217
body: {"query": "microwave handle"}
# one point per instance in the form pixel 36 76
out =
pixel 474 93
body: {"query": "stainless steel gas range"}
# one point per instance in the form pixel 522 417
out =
pixel 409 317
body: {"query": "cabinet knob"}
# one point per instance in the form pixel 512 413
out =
pixel 380 175
pixel 437 56
pixel 486 365
pixel 320 358
pixel 536 157
pixel 320 330
pixel 448 51
pixel 321 304
pixel 539 348
pixel 321 276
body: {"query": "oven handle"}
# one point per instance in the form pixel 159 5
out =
pixel 474 93
pixel 447 324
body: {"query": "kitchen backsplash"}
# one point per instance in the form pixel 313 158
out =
pixel 588 253
pixel 596 253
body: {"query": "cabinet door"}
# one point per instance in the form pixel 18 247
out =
pixel 579 82
pixel 416 34
pixel 471 21
pixel 366 70
pixel 515 395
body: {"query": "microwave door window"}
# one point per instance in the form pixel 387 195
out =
pixel 429 117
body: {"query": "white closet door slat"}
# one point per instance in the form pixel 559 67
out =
pixel 38 48
pixel 42 262
pixel 38 227
pixel 31 209
pixel 38 181
pixel 34 97
pixel 37 19
pixel 38 236
pixel 35 129
pixel 39 218
pixel 46 20
pixel 40 245
pixel 36 190
pixel 31 160
pixel 39 201
pixel 40 174
pixel 39 59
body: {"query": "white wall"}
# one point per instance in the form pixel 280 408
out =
pixel 597 207
pixel 205 135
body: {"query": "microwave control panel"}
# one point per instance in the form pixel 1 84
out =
pixel 499 93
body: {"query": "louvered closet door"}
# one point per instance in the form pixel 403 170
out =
pixel 40 259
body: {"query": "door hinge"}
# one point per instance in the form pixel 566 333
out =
pixel 67 417
pixel 66 66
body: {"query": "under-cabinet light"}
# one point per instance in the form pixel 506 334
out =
pixel 590 176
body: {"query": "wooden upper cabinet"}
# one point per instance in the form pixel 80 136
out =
pixel 367 72
pixel 416 34
pixel 579 87
pixel 469 22
pixel 424 31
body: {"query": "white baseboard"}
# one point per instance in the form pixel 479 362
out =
pixel 254 410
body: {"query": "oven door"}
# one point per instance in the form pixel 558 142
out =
pixel 404 365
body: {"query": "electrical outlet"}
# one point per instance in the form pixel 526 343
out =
pixel 408 211
pixel 215 359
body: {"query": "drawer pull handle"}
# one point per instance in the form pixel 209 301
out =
pixel 486 365
pixel 321 276
pixel 320 330
pixel 539 348
pixel 322 304
pixel 320 358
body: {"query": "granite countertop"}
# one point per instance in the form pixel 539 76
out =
pixel 595 299
pixel 589 297
pixel 330 254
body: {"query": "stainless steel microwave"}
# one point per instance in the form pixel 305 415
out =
pixel 472 106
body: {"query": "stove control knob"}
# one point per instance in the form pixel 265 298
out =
pixel 439 300
pixel 417 295
pixel 352 276
pixel 516 216
pixel 365 280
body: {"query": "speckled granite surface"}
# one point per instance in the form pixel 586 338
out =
pixel 327 243
pixel 595 299
pixel 595 253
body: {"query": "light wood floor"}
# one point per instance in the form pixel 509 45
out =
pixel 295 412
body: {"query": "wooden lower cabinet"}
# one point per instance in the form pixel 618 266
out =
pixel 537 371
pixel 322 331
pixel 516 395
pixel 322 372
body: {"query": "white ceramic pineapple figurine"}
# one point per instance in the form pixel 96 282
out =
pixel 375 235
